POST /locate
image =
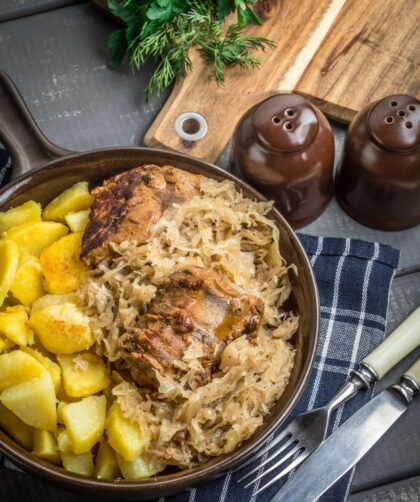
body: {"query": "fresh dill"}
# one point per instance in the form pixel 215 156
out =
pixel 166 30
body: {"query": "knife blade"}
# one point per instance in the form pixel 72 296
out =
pixel 350 442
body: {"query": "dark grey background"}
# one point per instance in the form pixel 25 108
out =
pixel 55 51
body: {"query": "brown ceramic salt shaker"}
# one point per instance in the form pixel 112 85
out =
pixel 284 147
pixel 378 181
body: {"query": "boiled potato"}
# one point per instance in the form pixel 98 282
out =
pixel 84 374
pixel 124 436
pixel 76 198
pixel 25 213
pixel 64 397
pixel 138 468
pixel 9 260
pixel 79 464
pixel 106 465
pixel 63 441
pixel 63 270
pixel 45 446
pixel 48 300
pixel 78 221
pixel 52 367
pixel 60 407
pixel 14 326
pixel 61 328
pixel 34 237
pixel 17 429
pixel 33 402
pixel 5 344
pixel 85 422
pixel 28 282
pixel 17 367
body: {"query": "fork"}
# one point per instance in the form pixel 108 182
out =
pixel 307 431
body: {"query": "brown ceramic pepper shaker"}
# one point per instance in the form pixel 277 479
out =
pixel 284 147
pixel 378 181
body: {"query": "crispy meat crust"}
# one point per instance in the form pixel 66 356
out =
pixel 196 304
pixel 129 204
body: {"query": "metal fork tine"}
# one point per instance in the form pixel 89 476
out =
pixel 288 443
pixel 285 471
pixel 261 452
pixel 281 461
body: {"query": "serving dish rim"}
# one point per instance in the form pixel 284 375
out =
pixel 169 483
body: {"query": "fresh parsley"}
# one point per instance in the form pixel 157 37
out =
pixel 166 30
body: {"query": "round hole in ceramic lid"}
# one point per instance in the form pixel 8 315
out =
pixel 394 123
pixel 285 123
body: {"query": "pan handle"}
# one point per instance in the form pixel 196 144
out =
pixel 20 134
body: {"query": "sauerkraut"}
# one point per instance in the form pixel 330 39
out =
pixel 226 232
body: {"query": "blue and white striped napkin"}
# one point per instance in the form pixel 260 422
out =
pixel 354 279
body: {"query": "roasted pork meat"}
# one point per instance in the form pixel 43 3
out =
pixel 196 304
pixel 126 206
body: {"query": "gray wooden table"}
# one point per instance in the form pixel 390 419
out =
pixel 55 50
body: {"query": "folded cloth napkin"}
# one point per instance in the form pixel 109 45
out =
pixel 354 279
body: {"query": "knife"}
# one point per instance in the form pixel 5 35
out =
pixel 350 442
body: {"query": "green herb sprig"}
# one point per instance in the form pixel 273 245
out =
pixel 166 30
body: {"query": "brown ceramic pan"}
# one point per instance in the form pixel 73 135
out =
pixel 41 171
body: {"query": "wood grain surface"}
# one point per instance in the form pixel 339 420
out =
pixel 297 27
pixel 58 60
pixel 372 50
pixel 342 54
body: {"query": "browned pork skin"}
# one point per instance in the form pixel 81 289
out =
pixel 126 206
pixel 196 304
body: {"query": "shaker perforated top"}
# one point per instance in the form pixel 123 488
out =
pixel 285 123
pixel 394 123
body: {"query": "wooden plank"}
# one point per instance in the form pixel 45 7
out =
pixel 342 54
pixel 297 27
pixel 371 52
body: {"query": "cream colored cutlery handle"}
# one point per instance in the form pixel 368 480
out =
pixel 414 372
pixel 396 346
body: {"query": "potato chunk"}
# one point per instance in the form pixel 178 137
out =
pixel 5 344
pixel 14 326
pixel 63 441
pixel 78 221
pixel 124 436
pixel 106 465
pixel 45 446
pixel 9 260
pixel 28 283
pixel 17 367
pixel 34 237
pixel 85 422
pixel 84 374
pixel 25 213
pixel 14 426
pixel 138 468
pixel 61 328
pixel 52 367
pixel 79 464
pixel 63 270
pixel 76 198
pixel 33 402
pixel 48 300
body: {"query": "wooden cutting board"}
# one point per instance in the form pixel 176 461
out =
pixel 341 54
